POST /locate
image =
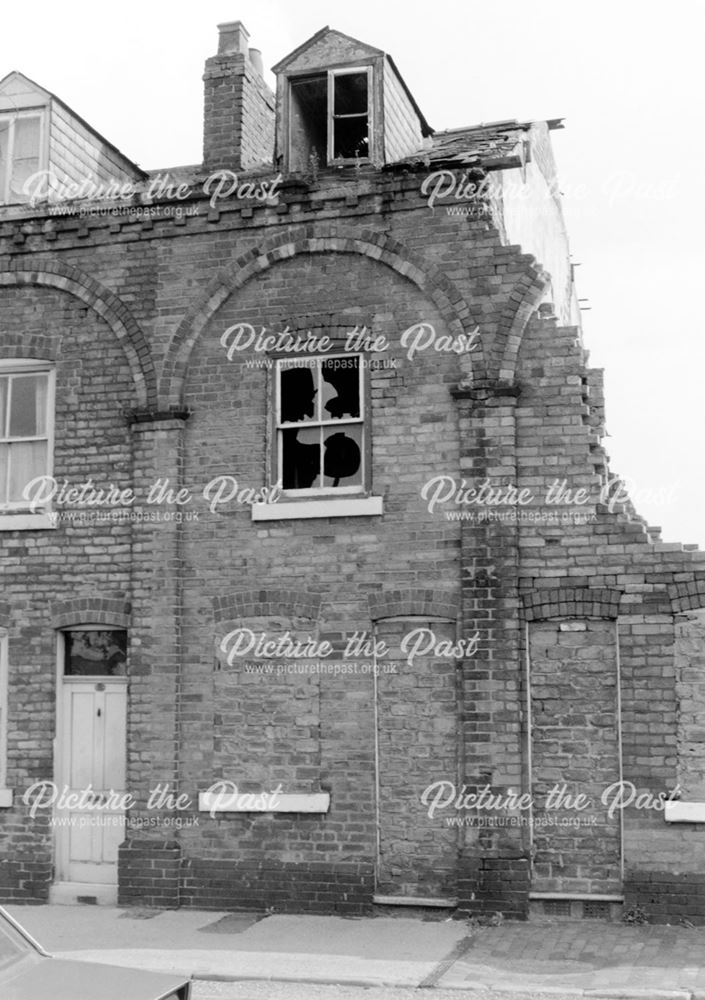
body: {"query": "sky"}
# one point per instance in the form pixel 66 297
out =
pixel 626 75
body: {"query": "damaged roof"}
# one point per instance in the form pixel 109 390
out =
pixel 494 146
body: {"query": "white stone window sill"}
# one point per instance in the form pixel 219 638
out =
pixel 27 522
pixel 684 812
pixel 313 802
pixel 288 510
pixel 5 798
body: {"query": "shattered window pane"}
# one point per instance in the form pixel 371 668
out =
pixel 301 459
pixel 328 116
pixel 327 450
pixel 350 116
pixel 298 395
pixel 351 94
pixel 342 459
pixel 340 389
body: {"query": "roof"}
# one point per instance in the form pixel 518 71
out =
pixel 106 142
pixel 363 51
pixel 310 42
pixel 493 146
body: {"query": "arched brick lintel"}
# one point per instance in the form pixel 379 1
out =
pixel 572 602
pixel 264 603
pixel 688 595
pixel 103 302
pixel 77 611
pixel 410 603
pixel 376 246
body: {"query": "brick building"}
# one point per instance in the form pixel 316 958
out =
pixel 260 642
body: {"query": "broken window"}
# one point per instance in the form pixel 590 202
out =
pixel 329 118
pixel 320 425
pixel 20 151
pixel 350 115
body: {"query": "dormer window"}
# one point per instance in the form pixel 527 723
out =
pixel 330 118
pixel 20 154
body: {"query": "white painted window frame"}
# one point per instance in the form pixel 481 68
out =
pixel 12 117
pixel 16 516
pixel 332 75
pixel 5 792
pixel 314 362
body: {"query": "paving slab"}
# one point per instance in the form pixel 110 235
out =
pixel 592 959
pixel 540 958
pixel 379 951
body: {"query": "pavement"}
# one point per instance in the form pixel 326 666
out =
pixel 570 958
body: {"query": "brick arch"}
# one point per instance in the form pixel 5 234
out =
pixel 522 303
pixel 263 603
pixel 429 279
pixel 36 346
pixel 572 602
pixel 109 611
pixel 413 601
pixel 106 304
pixel 688 595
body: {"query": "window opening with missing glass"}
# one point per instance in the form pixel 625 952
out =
pixel 330 118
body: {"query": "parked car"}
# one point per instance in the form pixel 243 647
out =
pixel 27 972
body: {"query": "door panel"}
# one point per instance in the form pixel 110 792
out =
pixel 89 827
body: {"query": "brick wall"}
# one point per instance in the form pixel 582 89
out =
pixel 238 120
pixel 134 361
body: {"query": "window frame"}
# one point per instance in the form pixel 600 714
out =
pixel 90 678
pixel 4 710
pixel 12 117
pixel 274 445
pixel 28 366
pixel 329 75
pixel 332 75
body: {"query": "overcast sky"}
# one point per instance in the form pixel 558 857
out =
pixel 626 75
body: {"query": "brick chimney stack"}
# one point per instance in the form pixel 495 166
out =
pixel 238 126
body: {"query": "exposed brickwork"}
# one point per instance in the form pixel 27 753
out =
pixel 413 602
pixel 571 602
pixel 689 658
pixel 53 274
pixel 574 749
pixel 494 885
pixel 238 108
pixel 90 610
pixel 24 879
pixel 667 898
pixel 149 874
pixel 312 887
pixel 688 594
pixel 123 305
pixel 260 603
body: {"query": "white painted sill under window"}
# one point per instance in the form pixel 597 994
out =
pixel 684 812
pixel 26 522
pixel 288 510
pixel 312 802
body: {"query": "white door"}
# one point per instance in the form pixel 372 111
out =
pixel 89 823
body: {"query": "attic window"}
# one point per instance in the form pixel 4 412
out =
pixel 20 153
pixel 330 118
